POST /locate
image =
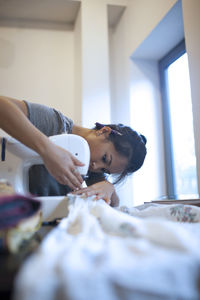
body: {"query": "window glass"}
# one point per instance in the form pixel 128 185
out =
pixel 180 110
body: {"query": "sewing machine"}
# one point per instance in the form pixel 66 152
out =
pixel 19 159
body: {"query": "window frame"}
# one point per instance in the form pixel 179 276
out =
pixel 163 64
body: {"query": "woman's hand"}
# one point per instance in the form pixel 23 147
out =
pixel 102 190
pixel 62 165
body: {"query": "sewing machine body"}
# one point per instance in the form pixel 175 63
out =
pixel 19 158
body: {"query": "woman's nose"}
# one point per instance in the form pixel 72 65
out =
pixel 95 166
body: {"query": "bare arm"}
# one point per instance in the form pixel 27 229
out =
pixel 59 162
pixel 13 120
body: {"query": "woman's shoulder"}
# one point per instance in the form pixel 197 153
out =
pixel 47 119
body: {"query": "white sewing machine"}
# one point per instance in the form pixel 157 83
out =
pixel 19 159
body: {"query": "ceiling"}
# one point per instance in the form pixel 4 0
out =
pixel 47 13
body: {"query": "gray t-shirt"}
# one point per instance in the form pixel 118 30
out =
pixel 50 122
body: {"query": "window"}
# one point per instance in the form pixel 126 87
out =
pixel 178 124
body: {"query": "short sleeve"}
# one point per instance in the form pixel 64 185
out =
pixel 48 120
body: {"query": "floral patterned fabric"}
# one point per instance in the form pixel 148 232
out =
pixel 184 213
pixel 173 212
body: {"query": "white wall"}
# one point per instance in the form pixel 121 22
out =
pixel 119 73
pixel 38 65
pixel 191 15
pixel 146 112
pixel 77 71
pixel 95 63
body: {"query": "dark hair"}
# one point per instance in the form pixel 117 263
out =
pixel 128 143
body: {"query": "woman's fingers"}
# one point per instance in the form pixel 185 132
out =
pixel 73 179
pixel 101 190
pixel 73 176
pixel 62 165
pixel 77 175
pixel 87 191
pixel 70 177
pixel 98 190
pixel 77 162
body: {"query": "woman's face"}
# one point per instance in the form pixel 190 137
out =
pixel 103 156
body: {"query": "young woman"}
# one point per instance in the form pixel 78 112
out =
pixel 114 149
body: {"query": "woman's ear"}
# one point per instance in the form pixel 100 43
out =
pixel 106 130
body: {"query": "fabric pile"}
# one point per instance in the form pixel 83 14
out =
pixel 20 218
pixel 98 252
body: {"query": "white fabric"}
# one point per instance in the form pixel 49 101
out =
pixel 101 253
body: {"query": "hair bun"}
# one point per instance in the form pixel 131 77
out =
pixel 143 139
